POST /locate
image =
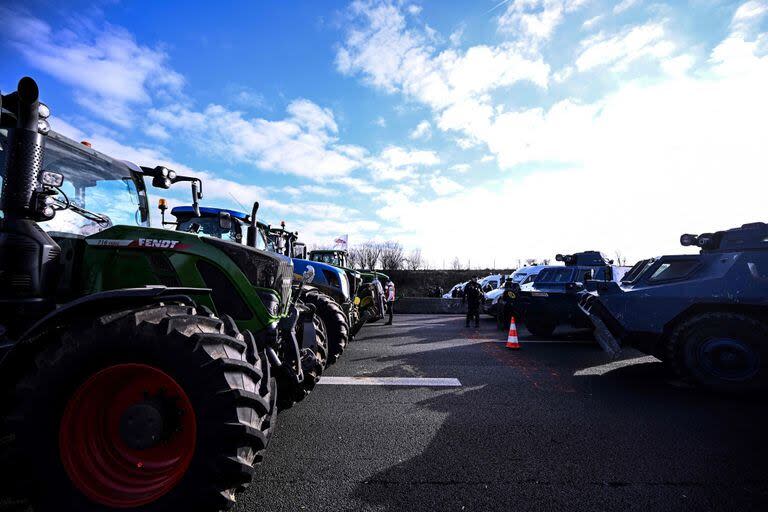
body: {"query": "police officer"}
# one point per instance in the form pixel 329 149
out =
pixel 504 315
pixel 389 299
pixel 473 296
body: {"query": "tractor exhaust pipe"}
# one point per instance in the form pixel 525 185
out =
pixel 29 258
pixel 25 152
pixel 253 226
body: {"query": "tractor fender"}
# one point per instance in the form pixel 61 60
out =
pixel 17 355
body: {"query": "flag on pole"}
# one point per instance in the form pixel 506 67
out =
pixel 341 242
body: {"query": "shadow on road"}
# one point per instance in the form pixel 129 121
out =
pixel 526 433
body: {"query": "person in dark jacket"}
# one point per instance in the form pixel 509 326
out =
pixel 473 295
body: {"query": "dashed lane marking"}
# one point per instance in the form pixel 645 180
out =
pixel 391 381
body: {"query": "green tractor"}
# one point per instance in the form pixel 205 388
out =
pixel 139 367
pixel 370 294
pixel 327 288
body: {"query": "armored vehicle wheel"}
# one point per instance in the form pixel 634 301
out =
pixel 313 362
pixel 336 326
pixel 153 409
pixel 540 328
pixel 721 351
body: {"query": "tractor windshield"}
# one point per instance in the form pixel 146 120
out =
pixel 331 258
pixel 98 192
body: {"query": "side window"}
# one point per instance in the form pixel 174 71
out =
pixel 673 270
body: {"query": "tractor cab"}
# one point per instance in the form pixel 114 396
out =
pixel 286 242
pixel 230 225
pixel 335 257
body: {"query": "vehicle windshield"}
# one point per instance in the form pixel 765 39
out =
pixel 210 226
pixel 98 192
pixel 518 277
pixel 331 258
pixel 556 275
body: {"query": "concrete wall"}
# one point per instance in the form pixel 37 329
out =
pixel 424 305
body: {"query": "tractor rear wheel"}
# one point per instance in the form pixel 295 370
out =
pixel 158 408
pixel 721 351
pixel 336 326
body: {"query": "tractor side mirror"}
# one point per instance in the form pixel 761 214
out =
pixel 309 275
pixel 225 221
pixel 197 194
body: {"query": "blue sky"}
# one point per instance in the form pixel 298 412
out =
pixel 488 131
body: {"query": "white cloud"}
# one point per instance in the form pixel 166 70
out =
pixel 657 159
pixel 414 9
pixel 444 186
pixel 390 56
pixel 108 70
pixel 380 122
pixel 156 131
pixel 423 130
pixel 591 22
pixel 748 14
pixel 456 36
pixel 303 144
pixel 533 22
pixel 397 163
pixel 623 6
pixel 621 49
pixel 461 168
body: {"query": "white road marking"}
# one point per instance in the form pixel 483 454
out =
pixel 605 368
pixel 562 342
pixel 391 381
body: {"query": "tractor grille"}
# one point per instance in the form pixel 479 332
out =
pixel 262 269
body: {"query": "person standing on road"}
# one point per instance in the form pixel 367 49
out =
pixel 473 295
pixel 389 298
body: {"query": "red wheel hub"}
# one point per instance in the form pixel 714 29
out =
pixel 102 463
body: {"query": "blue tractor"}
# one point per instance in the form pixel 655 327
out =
pixel 704 315
pixel 329 289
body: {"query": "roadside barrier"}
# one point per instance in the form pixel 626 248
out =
pixel 512 341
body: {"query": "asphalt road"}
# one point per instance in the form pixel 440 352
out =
pixel 543 428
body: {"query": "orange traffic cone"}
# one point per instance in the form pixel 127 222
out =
pixel 512 341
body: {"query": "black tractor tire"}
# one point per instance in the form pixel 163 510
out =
pixel 721 351
pixel 540 328
pixel 223 380
pixel 313 362
pixel 336 326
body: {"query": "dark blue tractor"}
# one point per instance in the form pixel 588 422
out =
pixel 552 299
pixel 704 315
pixel 329 289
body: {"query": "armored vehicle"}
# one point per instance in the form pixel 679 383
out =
pixel 552 300
pixel 705 315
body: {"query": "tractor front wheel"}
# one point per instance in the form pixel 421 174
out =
pixel 336 326
pixel 153 409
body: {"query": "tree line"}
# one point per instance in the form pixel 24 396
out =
pixel 388 255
